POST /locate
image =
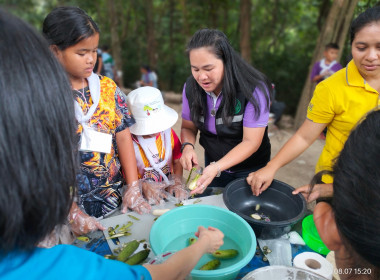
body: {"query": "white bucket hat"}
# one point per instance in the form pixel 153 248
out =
pixel 148 109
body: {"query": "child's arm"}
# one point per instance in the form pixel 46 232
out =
pixel 127 155
pixel 178 169
pixel 124 142
pixel 181 263
pixel 178 189
pixel 317 78
pixel 177 166
pixel 128 163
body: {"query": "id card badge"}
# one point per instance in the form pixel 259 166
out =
pixel 94 141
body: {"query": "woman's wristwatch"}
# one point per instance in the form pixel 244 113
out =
pixel 184 144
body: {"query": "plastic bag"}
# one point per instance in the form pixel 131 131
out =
pixel 134 200
pixel 294 238
pixel 278 251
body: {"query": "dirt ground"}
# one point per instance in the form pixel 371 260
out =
pixel 297 173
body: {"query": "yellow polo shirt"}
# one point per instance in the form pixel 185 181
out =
pixel 340 101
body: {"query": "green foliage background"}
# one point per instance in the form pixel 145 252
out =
pixel 283 35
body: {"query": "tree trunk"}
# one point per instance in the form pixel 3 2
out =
pixel 124 11
pixel 346 22
pixel 335 29
pixel 171 41
pixel 186 28
pixel 115 41
pixel 276 21
pixel 151 41
pixel 323 13
pixel 245 29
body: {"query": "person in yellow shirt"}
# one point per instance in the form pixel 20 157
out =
pixel 339 102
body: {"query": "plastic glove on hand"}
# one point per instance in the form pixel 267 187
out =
pixel 81 223
pixel 154 192
pixel 134 200
pixel 180 191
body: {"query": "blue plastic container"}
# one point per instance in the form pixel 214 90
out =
pixel 172 230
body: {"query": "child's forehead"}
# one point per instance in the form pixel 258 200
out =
pixel 88 43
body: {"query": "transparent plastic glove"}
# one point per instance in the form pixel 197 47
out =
pixel 61 234
pixel 50 240
pixel 134 200
pixel 81 223
pixel 180 192
pixel 178 189
pixel 66 236
pixel 154 192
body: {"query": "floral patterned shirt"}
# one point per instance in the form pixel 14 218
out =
pixel 100 179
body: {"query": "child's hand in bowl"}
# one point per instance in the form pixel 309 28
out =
pixel 211 237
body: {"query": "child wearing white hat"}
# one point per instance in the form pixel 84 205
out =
pixel 157 146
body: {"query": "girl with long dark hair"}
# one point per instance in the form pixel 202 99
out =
pixel 104 139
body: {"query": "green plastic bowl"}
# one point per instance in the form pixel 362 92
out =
pixel 172 230
pixel 311 237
